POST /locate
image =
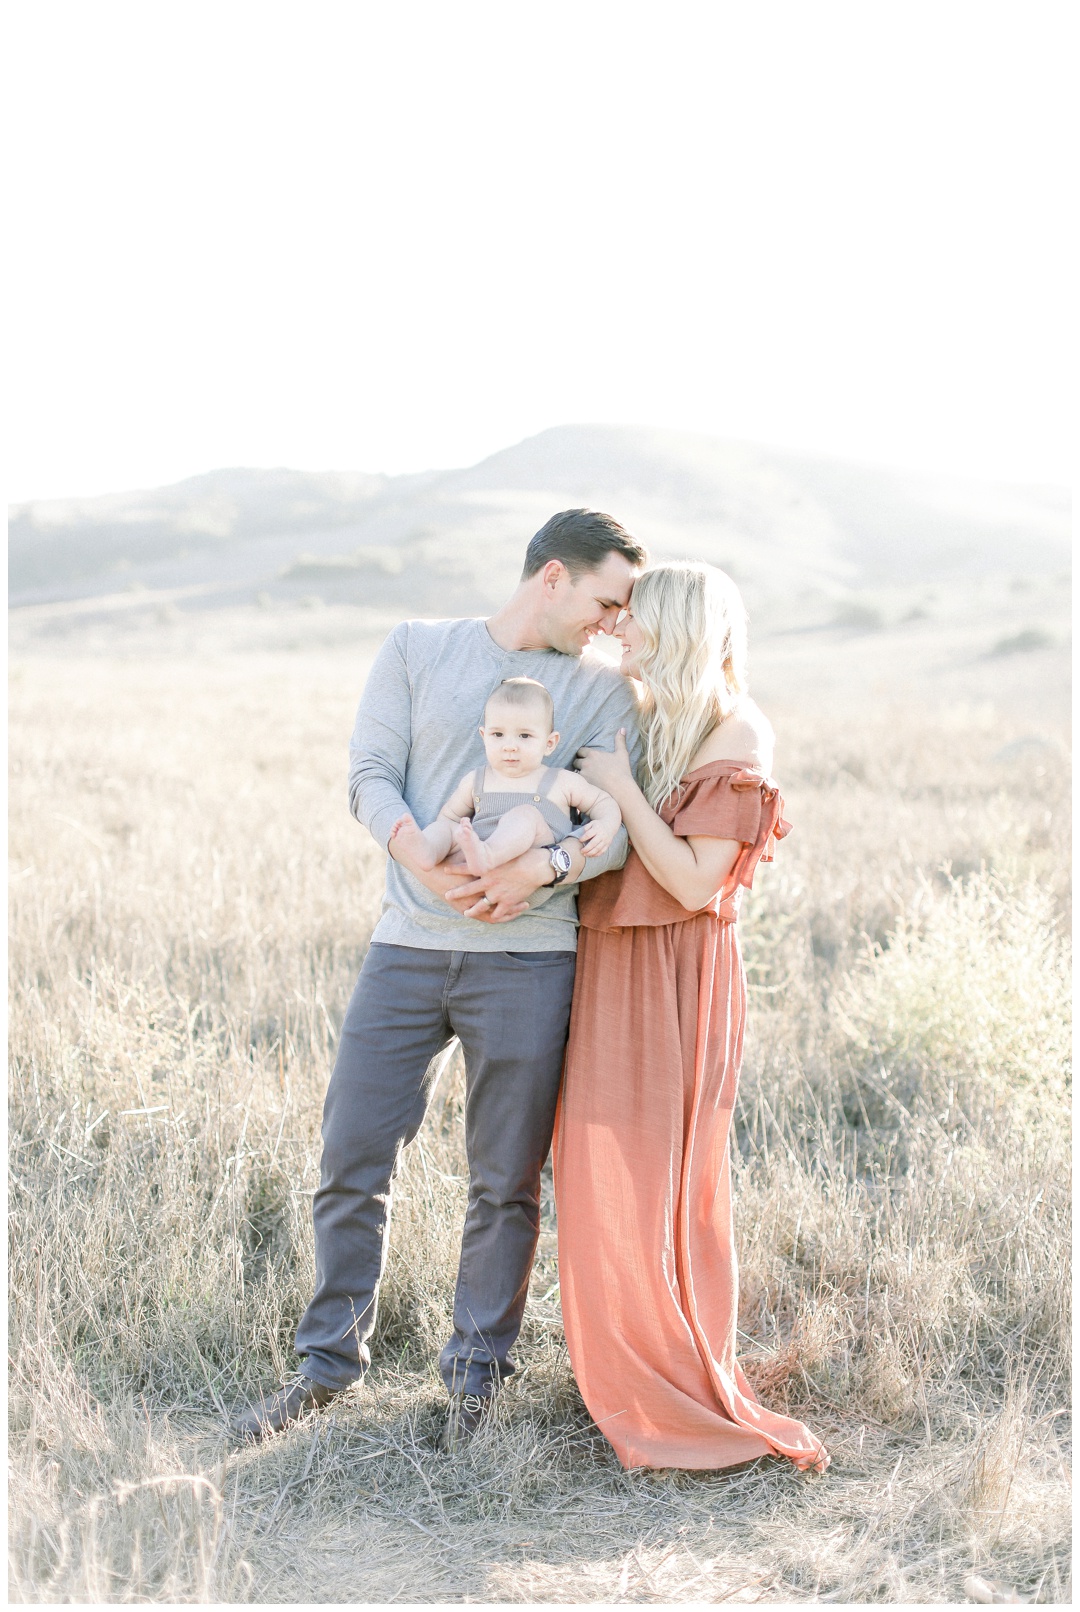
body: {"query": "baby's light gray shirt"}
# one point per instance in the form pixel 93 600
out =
pixel 415 737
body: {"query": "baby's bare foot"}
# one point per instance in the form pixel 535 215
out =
pixel 476 854
pixel 410 839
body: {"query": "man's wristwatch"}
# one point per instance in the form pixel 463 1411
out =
pixel 561 863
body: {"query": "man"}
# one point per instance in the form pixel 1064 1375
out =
pixel 453 955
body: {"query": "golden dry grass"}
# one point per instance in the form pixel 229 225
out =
pixel 189 904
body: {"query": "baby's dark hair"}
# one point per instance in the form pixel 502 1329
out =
pixel 522 691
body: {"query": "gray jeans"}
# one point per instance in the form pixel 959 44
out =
pixel 510 1011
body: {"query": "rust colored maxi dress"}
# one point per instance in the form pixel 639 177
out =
pixel 647 1266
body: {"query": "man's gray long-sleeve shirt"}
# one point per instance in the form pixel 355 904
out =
pixel 416 735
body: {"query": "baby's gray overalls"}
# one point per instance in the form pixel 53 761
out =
pixel 489 806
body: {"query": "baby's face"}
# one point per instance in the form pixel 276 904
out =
pixel 516 738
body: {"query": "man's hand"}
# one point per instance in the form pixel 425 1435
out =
pixel 502 893
pixel 498 896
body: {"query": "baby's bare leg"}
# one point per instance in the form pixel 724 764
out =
pixel 423 847
pixel 517 830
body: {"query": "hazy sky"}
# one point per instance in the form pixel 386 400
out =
pixel 394 236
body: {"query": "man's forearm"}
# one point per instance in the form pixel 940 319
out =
pixel 613 857
pixel 578 862
pixel 379 749
pixel 375 802
pixel 538 862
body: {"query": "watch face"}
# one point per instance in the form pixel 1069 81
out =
pixel 561 862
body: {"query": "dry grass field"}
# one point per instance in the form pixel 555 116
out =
pixel 190 902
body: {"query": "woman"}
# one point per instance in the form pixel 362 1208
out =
pixel 642 1176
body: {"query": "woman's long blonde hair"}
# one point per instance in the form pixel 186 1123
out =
pixel 692 666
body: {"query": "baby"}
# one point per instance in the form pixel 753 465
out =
pixel 515 802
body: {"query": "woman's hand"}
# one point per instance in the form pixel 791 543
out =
pixel 607 769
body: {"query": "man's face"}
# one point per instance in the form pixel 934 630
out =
pixel 577 609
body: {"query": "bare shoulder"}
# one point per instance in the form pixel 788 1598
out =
pixel 566 778
pixel 746 735
pixel 464 784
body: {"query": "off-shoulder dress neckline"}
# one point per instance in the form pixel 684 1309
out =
pixel 725 761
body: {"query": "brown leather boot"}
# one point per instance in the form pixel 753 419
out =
pixel 272 1412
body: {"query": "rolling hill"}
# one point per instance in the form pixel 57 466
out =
pixel 787 526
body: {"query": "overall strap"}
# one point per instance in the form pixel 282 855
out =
pixel 478 783
pixel 547 781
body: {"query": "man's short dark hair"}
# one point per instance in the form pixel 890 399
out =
pixel 582 539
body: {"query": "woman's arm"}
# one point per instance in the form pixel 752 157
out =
pixel 692 869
